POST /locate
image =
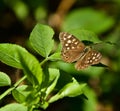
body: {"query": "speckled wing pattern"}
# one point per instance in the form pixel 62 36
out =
pixel 74 50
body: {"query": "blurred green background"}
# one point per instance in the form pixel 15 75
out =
pixel 18 17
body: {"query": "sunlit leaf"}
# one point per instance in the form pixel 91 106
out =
pixel 4 79
pixel 69 90
pixel 9 54
pixel 83 35
pixel 41 39
pixel 21 93
pixel 55 56
pixel 18 57
pixel 53 78
pixel 14 107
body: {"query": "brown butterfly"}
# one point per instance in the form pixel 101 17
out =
pixel 74 50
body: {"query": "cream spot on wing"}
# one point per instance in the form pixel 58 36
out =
pixel 96 59
pixel 93 57
pixel 66 44
pixel 64 38
pixel 68 48
pixel 76 43
pixel 98 55
pixel 73 47
pixel 87 62
pixel 88 58
pixel 69 36
pixel 69 41
pixel 94 54
pixel 64 34
pixel 73 40
pixel 91 61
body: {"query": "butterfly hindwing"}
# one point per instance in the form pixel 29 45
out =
pixel 91 57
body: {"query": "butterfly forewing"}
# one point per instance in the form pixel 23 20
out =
pixel 75 50
pixel 72 48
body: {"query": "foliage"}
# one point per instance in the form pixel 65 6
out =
pixel 88 18
pixel 48 79
pixel 42 80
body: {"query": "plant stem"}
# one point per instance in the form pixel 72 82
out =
pixel 6 92
pixel 18 82
pixel 45 60
pixel 12 88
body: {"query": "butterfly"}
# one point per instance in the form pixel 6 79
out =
pixel 73 50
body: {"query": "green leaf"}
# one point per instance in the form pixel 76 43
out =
pixel 20 93
pixel 69 90
pixel 31 68
pixel 88 18
pixel 14 107
pixel 4 79
pixel 9 54
pixel 83 35
pixel 34 98
pixel 53 78
pixel 55 56
pixel 16 56
pixel 95 70
pixel 91 103
pixel 41 39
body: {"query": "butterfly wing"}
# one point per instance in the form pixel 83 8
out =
pixel 90 58
pixel 72 48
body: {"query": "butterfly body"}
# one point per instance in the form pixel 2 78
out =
pixel 74 50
